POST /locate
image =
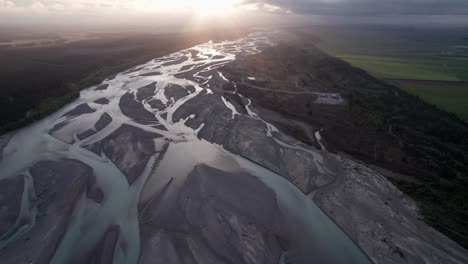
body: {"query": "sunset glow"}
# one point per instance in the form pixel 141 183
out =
pixel 209 7
pixel 198 7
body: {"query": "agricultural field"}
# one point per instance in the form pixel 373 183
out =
pixel 436 69
pixel 429 64
pixel 450 97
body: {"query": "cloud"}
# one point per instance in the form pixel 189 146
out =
pixel 263 7
pixel 62 5
pixel 369 7
pixel 343 11
pixel 38 6
pixel 314 7
pixel 4 4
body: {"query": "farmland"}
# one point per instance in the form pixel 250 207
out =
pixel 426 63
pixel 449 97
pixel 437 69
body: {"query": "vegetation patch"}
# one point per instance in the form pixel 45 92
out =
pixel 452 98
pixel 45 108
pixel 444 69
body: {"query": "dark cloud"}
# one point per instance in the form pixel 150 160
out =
pixel 370 7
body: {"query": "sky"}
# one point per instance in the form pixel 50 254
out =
pixel 320 11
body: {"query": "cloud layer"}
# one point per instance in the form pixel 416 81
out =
pixel 316 7
pixel 342 9
pixel 370 7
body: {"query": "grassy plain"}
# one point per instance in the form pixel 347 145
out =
pixel 452 98
pixel 443 69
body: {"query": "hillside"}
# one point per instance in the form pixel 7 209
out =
pixel 421 149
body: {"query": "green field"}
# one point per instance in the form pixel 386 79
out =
pixel 443 69
pixel 413 54
pixel 450 98
pixel 390 42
